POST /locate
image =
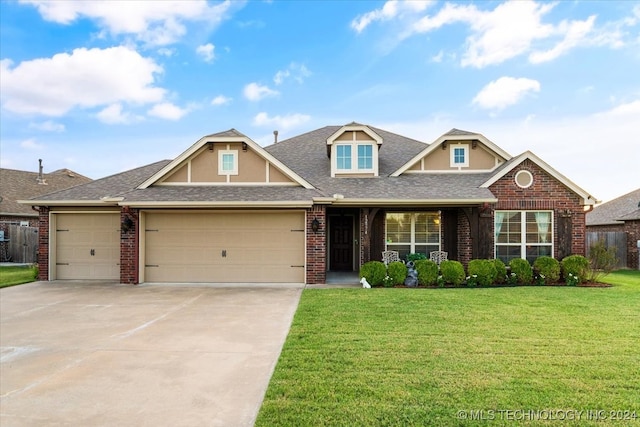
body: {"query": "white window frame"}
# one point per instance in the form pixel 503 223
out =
pixel 350 168
pixel 523 244
pixel 452 148
pixel 390 246
pixel 221 154
pixel 355 157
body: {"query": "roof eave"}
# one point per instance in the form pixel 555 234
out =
pixel 219 204
pixel 413 202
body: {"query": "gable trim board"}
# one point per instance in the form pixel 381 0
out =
pixel 170 168
pixel 261 216
pixel 588 199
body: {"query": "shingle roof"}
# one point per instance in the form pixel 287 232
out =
pixel 625 207
pixel 455 131
pixel 19 185
pixel 306 155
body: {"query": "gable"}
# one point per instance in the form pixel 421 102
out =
pixel 228 158
pixel 455 152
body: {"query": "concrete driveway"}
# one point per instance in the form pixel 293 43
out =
pixel 76 353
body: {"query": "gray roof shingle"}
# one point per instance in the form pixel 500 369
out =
pixel 625 207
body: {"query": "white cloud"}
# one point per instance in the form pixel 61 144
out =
pixel 298 72
pixel 48 126
pixel 31 144
pixel 221 100
pixel 574 32
pixel 113 114
pixel 167 110
pixel 630 110
pixel 391 9
pixel 206 51
pixel 156 23
pixel 504 92
pixel 83 79
pixel 255 92
pixel 280 122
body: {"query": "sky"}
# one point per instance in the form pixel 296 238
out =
pixel 103 87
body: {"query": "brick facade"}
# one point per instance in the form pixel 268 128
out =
pixel 129 218
pixel 546 193
pixel 317 245
pixel 464 239
pixel 632 228
pixel 43 244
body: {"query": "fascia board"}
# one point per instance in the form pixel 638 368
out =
pixel 212 204
pixel 67 202
pixel 413 202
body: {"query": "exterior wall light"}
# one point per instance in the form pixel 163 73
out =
pixel 315 225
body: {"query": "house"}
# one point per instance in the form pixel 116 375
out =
pixel 229 210
pixel 19 185
pixel 618 218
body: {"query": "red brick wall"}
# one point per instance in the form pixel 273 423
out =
pixel 464 239
pixel 129 246
pixel 317 245
pixel 546 193
pixel 632 228
pixel 43 244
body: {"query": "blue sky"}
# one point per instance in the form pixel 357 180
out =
pixel 102 87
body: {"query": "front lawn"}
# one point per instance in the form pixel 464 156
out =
pixel 16 275
pixel 389 357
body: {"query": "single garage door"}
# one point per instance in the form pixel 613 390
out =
pixel 225 247
pixel 87 246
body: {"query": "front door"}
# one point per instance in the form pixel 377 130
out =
pixel 341 243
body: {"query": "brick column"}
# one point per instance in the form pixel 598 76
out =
pixel 129 220
pixel 43 244
pixel 317 245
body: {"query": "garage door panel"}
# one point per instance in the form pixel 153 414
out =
pixel 87 246
pixel 225 247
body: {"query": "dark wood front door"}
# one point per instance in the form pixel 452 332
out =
pixel 341 244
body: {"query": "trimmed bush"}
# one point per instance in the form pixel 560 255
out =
pixel 548 268
pixel 416 256
pixel 397 271
pixel 427 272
pixel 501 270
pixel 374 272
pixel 452 272
pixel 577 265
pixel 522 269
pixel 483 271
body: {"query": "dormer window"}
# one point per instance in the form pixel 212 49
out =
pixel 353 151
pixel 459 155
pixel 228 162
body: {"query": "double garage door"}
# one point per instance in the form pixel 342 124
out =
pixel 224 247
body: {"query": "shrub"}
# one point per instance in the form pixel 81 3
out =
pixel 482 271
pixel 427 272
pixel 576 265
pixel 416 257
pixel 522 269
pixel 397 271
pixel 501 270
pixel 374 272
pixel 452 272
pixel 602 261
pixel 548 269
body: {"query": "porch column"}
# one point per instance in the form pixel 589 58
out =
pixel 129 220
pixel 43 243
pixel 316 245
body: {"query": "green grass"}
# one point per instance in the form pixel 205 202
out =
pixel 11 275
pixel 391 357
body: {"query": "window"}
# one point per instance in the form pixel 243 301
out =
pixel 365 157
pixel 459 155
pixel 228 162
pixel 343 157
pixel 413 232
pixel 523 234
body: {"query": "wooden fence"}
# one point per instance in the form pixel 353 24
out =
pixel 22 245
pixel 616 239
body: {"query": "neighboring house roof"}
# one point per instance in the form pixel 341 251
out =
pixel 305 162
pixel 623 208
pixel 19 185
